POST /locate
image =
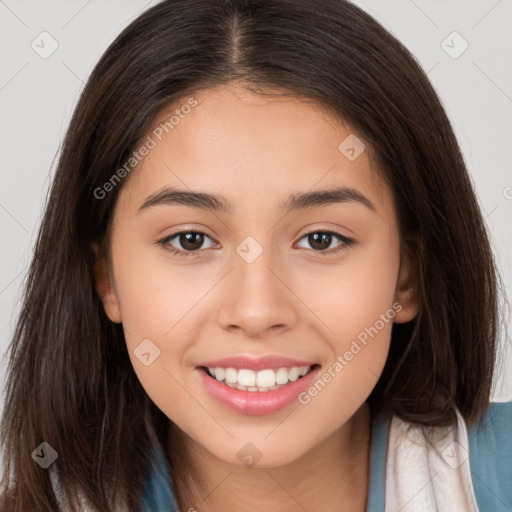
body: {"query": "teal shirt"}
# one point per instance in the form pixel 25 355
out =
pixel 490 459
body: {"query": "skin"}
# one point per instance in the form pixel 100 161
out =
pixel 290 301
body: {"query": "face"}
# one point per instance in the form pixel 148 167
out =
pixel 271 282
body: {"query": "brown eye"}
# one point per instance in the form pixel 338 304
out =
pixel 191 241
pixel 188 242
pixel 320 241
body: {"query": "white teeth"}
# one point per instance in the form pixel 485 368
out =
pixel 293 374
pixel 266 378
pixel 220 374
pixel 246 377
pixel 263 380
pixel 231 375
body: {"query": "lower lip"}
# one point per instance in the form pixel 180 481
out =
pixel 257 403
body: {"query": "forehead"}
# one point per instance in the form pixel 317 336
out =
pixel 234 143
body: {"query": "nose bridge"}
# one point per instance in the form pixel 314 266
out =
pixel 258 299
pixel 252 270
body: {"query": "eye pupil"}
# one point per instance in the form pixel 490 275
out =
pixel 191 241
pixel 320 240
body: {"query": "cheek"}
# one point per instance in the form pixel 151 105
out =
pixel 358 311
pixel 154 302
pixel 154 295
pixel 352 295
pixel 154 299
pixel 353 304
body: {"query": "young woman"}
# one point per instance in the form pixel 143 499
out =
pixel 262 281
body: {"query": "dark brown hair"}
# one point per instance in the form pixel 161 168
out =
pixel 70 381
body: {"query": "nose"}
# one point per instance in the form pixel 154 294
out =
pixel 258 297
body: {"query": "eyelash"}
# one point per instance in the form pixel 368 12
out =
pixel 164 242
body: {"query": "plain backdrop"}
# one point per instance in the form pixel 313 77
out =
pixel 465 46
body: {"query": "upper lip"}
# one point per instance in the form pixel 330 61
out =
pixel 256 363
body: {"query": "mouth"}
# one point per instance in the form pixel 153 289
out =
pixel 256 393
pixel 261 381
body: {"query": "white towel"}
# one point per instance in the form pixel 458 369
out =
pixel 425 478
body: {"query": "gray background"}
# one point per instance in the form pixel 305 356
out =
pixel 37 96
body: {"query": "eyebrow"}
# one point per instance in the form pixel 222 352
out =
pixel 216 203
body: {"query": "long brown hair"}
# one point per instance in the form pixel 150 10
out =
pixel 70 382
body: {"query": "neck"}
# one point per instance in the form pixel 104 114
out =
pixel 332 473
